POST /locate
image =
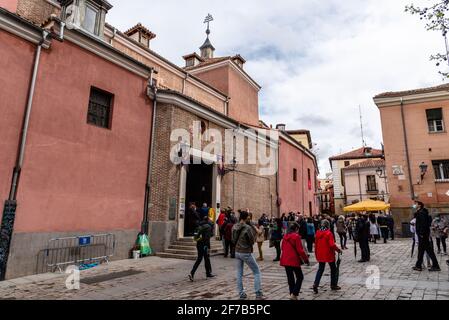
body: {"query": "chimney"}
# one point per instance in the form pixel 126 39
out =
pixel 281 127
pixel 141 34
pixel 238 60
pixel 192 60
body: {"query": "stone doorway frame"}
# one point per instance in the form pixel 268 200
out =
pixel 216 189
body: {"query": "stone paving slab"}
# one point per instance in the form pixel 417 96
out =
pixel 166 279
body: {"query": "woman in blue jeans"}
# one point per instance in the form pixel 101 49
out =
pixel 244 236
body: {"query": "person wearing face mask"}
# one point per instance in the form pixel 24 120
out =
pixel 423 224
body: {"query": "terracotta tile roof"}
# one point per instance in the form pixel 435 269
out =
pixel 139 27
pixel 187 56
pixel 207 62
pixel 370 163
pixel 444 87
pixel 212 61
pixel 300 131
pixel 358 154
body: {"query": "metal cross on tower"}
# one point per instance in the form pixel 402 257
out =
pixel 208 20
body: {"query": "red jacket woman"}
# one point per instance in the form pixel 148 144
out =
pixel 325 246
pixel 293 254
pixel 325 249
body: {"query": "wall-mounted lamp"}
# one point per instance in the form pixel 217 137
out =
pixel 380 172
pixel 423 168
pixel 183 153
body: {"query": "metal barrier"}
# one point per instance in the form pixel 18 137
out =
pixel 79 250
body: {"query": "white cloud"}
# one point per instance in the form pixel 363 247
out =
pixel 314 59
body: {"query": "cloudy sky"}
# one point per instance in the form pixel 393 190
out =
pixel 317 61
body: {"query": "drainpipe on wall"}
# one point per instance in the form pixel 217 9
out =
pixel 360 186
pixel 278 205
pixel 234 147
pixel 184 83
pixel 407 154
pixel 114 34
pixel 9 210
pixel 145 220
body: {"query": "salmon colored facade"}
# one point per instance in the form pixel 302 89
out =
pixel 409 143
pixel 81 162
pixel 297 179
pixel 244 103
pixel 10 5
pixel 76 177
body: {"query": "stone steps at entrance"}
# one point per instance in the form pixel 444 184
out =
pixel 191 252
pixel 185 249
pixel 177 244
pixel 188 248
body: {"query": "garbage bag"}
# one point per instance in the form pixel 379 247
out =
pixel 143 242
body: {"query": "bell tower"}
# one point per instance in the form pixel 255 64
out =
pixel 207 49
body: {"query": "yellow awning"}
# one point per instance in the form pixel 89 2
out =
pixel 368 205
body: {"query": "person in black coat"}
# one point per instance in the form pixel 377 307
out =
pixel 276 238
pixel 423 223
pixel 192 219
pixel 363 234
pixel 202 236
pixel 390 223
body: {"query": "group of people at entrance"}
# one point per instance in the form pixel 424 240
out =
pixel 241 234
pixel 297 239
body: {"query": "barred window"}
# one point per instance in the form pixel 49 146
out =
pixel 441 168
pixel 99 112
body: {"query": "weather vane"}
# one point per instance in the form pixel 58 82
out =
pixel 208 20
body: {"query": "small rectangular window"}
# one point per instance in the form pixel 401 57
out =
pixel 371 184
pixel 295 175
pixel 435 120
pixel 90 20
pixel 441 169
pixel 100 108
pixel 309 181
pixel 347 163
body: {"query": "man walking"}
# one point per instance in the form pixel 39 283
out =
pixel 423 223
pixel 390 223
pixel 202 237
pixel 363 233
pixel 244 237
pixel 384 230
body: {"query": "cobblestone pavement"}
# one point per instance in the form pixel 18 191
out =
pixel 165 279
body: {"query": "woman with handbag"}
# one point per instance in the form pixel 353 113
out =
pixel 293 255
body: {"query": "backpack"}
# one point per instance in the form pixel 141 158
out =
pixel 198 235
pixel 234 242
